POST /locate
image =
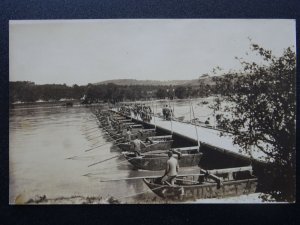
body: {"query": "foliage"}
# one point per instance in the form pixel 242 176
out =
pixel 161 93
pixel 181 92
pixel 262 103
pixel 207 85
pixel 26 91
pixel 205 89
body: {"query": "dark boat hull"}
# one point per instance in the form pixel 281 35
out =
pixel 204 190
pixel 158 161
pixel 159 145
pixel 144 134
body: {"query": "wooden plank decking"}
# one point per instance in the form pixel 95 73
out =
pixel 206 135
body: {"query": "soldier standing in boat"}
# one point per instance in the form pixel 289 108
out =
pixel 171 170
pixel 137 145
pixel 109 125
pixel 128 135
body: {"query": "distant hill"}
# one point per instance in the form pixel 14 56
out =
pixel 194 82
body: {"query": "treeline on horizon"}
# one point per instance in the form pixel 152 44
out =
pixel 26 91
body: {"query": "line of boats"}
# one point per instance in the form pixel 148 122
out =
pixel 205 184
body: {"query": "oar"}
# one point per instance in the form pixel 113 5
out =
pixel 122 143
pixel 112 138
pixel 89 139
pixel 96 137
pixel 109 126
pixel 118 140
pixel 91 132
pixel 115 137
pixel 90 136
pixel 91 128
pixel 92 148
pixel 105 127
pixel 104 160
pixel 136 178
pixel 110 167
pixel 100 145
pixel 91 119
pixel 129 178
pixel 96 147
pixel 112 135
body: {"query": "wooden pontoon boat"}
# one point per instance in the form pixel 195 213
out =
pixel 211 184
pixel 152 143
pixel 156 160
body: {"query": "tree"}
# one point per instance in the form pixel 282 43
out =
pixel 77 91
pixel 161 93
pixel 204 89
pixel 262 105
pixel 181 92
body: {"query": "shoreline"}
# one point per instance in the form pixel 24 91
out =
pixel 253 198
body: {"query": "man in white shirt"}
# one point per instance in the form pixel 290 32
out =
pixel 171 170
pixel 128 135
pixel 137 145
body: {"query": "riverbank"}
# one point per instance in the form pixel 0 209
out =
pixel 44 200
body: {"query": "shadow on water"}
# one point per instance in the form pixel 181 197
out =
pixel 143 194
pixel 140 189
pixel 124 165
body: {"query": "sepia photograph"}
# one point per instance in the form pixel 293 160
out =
pixel 152 111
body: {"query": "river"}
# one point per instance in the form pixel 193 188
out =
pixel 42 138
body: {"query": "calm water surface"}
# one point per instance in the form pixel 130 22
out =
pixel 41 138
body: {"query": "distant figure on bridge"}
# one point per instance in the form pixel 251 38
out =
pixel 143 115
pixel 164 111
pixel 168 112
pixel 146 114
pixel 149 111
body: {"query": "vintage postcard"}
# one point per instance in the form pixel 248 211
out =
pixel 152 111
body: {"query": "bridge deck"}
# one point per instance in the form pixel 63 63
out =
pixel 206 135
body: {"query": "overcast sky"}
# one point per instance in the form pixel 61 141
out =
pixel 89 51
